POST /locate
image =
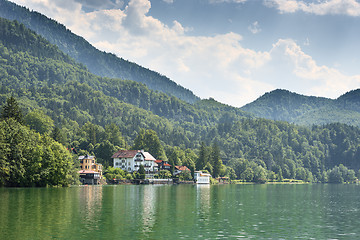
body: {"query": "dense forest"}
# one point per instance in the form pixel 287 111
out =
pixel 98 62
pixel 287 106
pixel 60 99
pixel 28 158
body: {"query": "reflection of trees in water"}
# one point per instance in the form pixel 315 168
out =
pixel 90 199
pixel 40 213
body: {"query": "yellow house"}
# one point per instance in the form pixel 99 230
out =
pixel 89 163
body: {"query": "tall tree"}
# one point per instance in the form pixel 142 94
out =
pixel 11 109
pixel 149 141
pixel 215 160
pixel 202 159
pixel 113 134
pixel 39 121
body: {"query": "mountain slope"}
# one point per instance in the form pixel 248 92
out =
pixel 350 100
pixel 98 62
pixel 292 107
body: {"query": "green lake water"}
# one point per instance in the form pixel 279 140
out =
pixel 314 211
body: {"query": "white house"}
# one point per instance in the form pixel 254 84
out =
pixel 202 178
pixel 130 160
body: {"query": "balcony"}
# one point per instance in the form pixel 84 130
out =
pixel 138 159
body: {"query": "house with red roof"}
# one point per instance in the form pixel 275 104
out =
pixel 162 165
pixel 130 160
pixel 181 169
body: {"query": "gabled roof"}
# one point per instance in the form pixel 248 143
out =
pixel 132 153
pixel 182 168
pixel 86 157
pixel 148 156
pixel 125 154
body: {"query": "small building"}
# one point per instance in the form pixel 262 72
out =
pixel 89 177
pixel 89 163
pixel 162 165
pixel 181 169
pixel 202 178
pixel 91 172
pixel 130 160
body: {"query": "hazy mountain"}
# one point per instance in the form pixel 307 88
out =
pixel 98 62
pixel 307 110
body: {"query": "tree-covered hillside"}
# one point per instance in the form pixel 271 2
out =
pixel 101 115
pixel 98 62
pixel 287 106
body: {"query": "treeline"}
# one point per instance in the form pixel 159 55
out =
pixel 101 115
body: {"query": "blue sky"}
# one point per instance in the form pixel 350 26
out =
pixel 231 50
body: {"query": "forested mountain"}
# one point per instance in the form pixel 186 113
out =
pixel 287 106
pixel 98 115
pixel 98 62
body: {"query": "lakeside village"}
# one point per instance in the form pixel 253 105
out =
pixel 148 169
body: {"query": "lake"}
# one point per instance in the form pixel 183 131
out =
pixel 268 211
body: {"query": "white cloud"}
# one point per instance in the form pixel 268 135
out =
pixel 319 7
pixel 254 27
pixel 217 66
pixel 169 1
pixel 303 74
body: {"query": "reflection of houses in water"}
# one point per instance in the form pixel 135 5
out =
pixel 149 207
pixel 203 195
pixel 91 204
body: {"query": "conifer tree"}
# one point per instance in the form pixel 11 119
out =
pixel 201 161
pixel 11 109
pixel 215 160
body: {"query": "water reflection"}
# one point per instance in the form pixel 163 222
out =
pixel 203 210
pixel 182 211
pixel 148 202
pixel 203 195
pixel 90 203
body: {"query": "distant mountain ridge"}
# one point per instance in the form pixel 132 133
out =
pixel 98 62
pixel 284 105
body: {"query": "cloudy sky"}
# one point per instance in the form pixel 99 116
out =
pixel 231 50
